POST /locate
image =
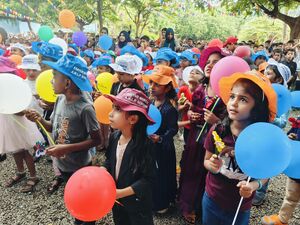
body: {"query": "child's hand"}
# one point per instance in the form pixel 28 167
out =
pixel 33 115
pixel 22 113
pixel 246 190
pixel 46 105
pixel 57 151
pixel 292 136
pixel 154 138
pixel 214 164
pixel 210 117
pixel 96 95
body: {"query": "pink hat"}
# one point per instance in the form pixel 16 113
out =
pixel 132 100
pixel 7 66
pixel 207 52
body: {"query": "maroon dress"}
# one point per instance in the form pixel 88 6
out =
pixel 193 173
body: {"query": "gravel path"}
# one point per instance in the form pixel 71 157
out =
pixel 39 208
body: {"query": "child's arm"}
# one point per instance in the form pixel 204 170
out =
pixel 246 190
pixel 125 192
pixel 212 163
pixel 183 123
pixel 34 116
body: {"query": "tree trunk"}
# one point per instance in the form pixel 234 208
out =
pixel 100 17
pixel 295 29
pixel 29 25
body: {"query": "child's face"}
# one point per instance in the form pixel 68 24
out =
pixel 240 103
pixel 125 78
pixel 259 60
pixel 157 90
pixel 17 51
pixel 277 57
pixel 102 69
pixel 144 43
pixel 88 60
pixel 118 118
pixel 122 38
pixel 31 74
pixel 272 76
pixel 211 62
pixel 184 63
pixel 195 76
pixel 59 82
pixel 290 56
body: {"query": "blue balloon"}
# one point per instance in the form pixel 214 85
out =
pixel 146 86
pixel 284 99
pixel 296 99
pixel 293 169
pixel 155 114
pixel 262 150
pixel 177 90
pixel 105 42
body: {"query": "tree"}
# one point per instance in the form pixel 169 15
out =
pixel 273 8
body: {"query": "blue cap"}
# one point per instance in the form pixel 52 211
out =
pixel 102 61
pixel 72 67
pixel 74 46
pixel 189 56
pixel 47 49
pixel 89 53
pixel 167 54
pixel 259 53
pixel 133 51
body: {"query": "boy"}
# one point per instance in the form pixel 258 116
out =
pixel 73 123
pixel 277 54
pixel 145 44
pixel 289 57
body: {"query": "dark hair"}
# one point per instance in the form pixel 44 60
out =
pixel 171 94
pixel 276 71
pixel 268 41
pixel 164 29
pixel 289 50
pixel 277 50
pixel 261 46
pixel 260 111
pixel 105 28
pixel 146 38
pixel 141 144
pixel 291 42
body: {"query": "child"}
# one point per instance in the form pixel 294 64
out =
pixel 126 66
pixel 102 65
pixel 145 44
pixel 292 194
pixel 150 56
pixel 74 125
pixel 167 57
pixel 186 59
pixel 123 40
pixel 89 56
pixel 249 99
pixel 289 62
pixel 259 57
pixel 18 135
pixel 129 158
pixel 162 89
pixel 277 54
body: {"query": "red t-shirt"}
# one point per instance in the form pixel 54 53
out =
pixel 187 93
pixel 222 187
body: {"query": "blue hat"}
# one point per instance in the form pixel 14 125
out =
pixel 88 53
pixel 72 67
pixel 167 54
pixel 1 51
pixel 259 53
pixel 74 46
pixel 102 61
pixel 48 50
pixel 133 51
pixel 189 56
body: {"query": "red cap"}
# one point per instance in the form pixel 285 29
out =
pixel 230 40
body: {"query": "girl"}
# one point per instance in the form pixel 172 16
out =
pixel 250 99
pixel 162 84
pixel 186 59
pixel 169 41
pixel 129 158
pixel 18 135
pixel 193 173
pixel 123 40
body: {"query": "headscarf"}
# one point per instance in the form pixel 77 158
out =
pixel 170 43
pixel 127 39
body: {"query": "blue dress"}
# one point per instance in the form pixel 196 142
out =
pixel 165 186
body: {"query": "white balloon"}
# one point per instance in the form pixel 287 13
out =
pixel 60 42
pixel 15 94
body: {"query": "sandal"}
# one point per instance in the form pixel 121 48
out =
pixel 57 181
pixel 15 179
pixel 29 186
pixel 190 219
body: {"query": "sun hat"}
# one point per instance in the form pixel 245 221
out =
pixel 6 65
pixel 162 75
pixel 186 72
pixel 207 52
pixel 259 53
pixel 89 53
pixel 130 64
pixel 262 67
pixel 47 49
pixel 102 61
pixel 259 79
pixel 188 55
pixel 30 62
pixel 72 67
pixel 167 54
pixel 131 99
pixel 19 46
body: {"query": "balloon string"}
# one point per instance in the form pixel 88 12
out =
pixel 46 132
pixel 239 206
pixel 205 124
pixel 20 124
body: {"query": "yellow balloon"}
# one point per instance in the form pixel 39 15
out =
pixel 104 82
pixel 44 86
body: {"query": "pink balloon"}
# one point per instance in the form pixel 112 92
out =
pixel 91 76
pixel 242 51
pixel 226 67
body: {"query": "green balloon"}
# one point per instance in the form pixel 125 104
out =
pixel 45 33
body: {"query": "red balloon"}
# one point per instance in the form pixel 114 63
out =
pixel 90 193
pixel 242 51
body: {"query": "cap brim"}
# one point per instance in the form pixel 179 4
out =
pixel 82 85
pixel 30 67
pixel 117 68
pixel 126 106
pixel 226 83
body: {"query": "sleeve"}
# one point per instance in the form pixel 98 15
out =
pixel 171 119
pixel 88 117
pixel 209 141
pixel 54 109
pixel 107 162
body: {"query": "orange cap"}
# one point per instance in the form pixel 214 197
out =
pixel 162 75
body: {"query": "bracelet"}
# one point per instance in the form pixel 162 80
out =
pixel 259 185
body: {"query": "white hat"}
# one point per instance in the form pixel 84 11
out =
pixel 130 64
pixel 284 71
pixel 30 62
pixel 19 46
pixel 186 72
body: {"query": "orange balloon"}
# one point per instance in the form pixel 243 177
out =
pixel 67 18
pixel 115 79
pixel 103 106
pixel 16 59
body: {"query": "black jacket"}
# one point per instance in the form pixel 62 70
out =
pixel 141 179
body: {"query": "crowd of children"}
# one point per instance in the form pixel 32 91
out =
pixel 143 166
